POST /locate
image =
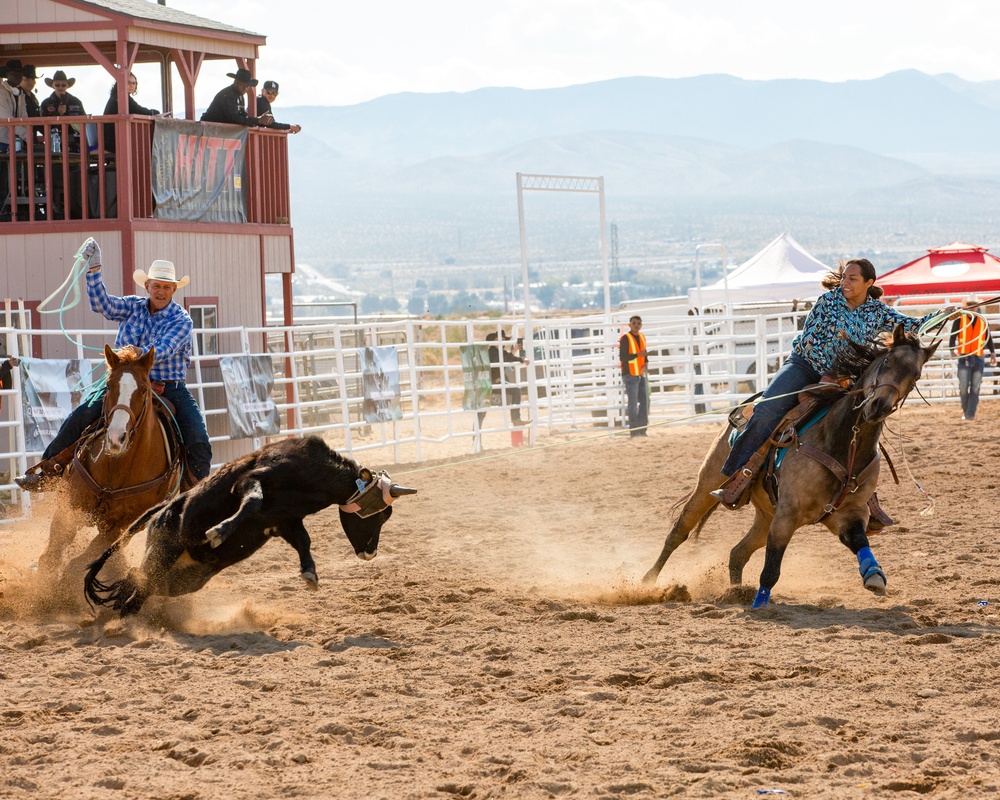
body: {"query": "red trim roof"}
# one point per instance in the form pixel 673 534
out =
pixel 957 268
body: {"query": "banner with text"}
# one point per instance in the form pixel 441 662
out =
pixel 50 390
pixel 198 171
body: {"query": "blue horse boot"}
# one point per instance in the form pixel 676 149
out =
pixel 762 598
pixel 871 572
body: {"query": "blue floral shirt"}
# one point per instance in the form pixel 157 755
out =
pixel 168 330
pixel 819 341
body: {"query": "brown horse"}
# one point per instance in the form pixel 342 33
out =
pixel 828 473
pixel 123 465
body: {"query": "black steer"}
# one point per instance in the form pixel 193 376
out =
pixel 231 514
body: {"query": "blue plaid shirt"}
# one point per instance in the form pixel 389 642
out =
pixel 169 330
pixel 819 341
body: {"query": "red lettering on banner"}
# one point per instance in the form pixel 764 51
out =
pixel 185 159
pixel 232 148
pixel 214 145
pixel 200 163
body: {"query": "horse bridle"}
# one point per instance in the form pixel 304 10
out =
pixel 134 420
pixel 870 393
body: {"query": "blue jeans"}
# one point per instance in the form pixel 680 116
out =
pixel 638 410
pixel 189 420
pixel 970 377
pixel 795 374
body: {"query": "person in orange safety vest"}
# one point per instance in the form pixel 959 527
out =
pixel 970 336
pixel 632 354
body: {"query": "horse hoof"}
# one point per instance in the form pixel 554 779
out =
pixel 312 582
pixel 875 584
pixel 762 598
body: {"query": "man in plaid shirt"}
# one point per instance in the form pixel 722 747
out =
pixel 156 321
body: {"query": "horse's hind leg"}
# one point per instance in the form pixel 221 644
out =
pixel 698 505
pixel 778 537
pixel 696 509
pixel 754 539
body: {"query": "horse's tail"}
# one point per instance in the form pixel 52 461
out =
pixel 119 593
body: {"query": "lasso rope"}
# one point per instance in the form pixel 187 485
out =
pixel 68 295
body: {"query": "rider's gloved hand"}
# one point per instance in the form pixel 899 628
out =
pixel 92 252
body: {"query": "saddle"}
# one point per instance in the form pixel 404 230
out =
pixel 762 465
pixel 59 465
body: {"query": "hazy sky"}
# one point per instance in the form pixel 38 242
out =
pixel 339 53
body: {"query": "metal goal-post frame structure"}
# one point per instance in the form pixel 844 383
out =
pixel 576 184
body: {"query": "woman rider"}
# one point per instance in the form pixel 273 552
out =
pixel 852 307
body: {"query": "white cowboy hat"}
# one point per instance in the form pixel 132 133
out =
pixel 160 271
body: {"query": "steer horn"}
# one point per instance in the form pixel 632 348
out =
pixel 395 490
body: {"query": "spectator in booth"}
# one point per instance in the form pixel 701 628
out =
pixel 28 80
pixel 11 107
pixel 62 104
pixel 11 104
pixel 498 357
pixel 111 107
pixel 970 336
pixel 229 105
pixel 268 95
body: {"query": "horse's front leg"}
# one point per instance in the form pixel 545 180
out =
pixel 62 531
pixel 295 533
pixel 853 533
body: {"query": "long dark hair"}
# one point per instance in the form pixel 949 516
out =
pixel 834 277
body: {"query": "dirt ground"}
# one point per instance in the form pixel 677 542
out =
pixel 500 645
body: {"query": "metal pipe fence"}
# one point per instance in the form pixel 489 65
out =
pixel 699 368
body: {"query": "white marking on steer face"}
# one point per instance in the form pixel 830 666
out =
pixel 118 424
pixel 367 556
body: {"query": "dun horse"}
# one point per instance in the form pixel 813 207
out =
pixel 828 473
pixel 127 463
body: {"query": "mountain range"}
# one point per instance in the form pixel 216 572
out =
pixel 896 145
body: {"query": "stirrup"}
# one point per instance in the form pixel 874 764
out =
pixel 877 518
pixel 735 493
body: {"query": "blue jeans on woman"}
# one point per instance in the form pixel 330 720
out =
pixel 191 423
pixel 795 374
pixel 970 378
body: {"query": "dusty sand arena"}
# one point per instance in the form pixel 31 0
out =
pixel 500 646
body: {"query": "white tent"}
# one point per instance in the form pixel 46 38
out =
pixel 781 271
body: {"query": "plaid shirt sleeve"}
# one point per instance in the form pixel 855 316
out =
pixel 117 309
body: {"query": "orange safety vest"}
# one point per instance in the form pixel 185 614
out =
pixel 635 365
pixel 971 335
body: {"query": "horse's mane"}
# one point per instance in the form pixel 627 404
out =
pixel 852 361
pixel 129 353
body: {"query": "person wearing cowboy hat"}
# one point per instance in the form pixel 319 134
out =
pixel 11 104
pixel 28 79
pixel 61 103
pixel 155 321
pixel 229 105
